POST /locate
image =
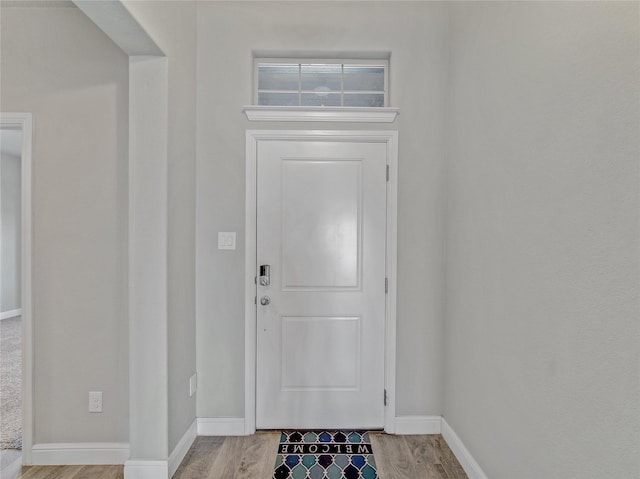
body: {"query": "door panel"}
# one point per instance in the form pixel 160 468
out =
pixel 321 206
pixel 304 339
pixel 321 225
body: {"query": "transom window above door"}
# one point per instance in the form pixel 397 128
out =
pixel 321 82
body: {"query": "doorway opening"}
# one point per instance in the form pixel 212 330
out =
pixel 15 292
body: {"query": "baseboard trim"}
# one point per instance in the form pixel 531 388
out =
pixel 143 469
pixel 418 425
pixel 182 447
pixel 221 426
pixel 466 460
pixel 12 471
pixel 52 454
pixel 10 314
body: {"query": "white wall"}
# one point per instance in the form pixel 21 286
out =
pixel 59 66
pixel 414 34
pixel 148 341
pixel 172 25
pixel 10 232
pixel 542 332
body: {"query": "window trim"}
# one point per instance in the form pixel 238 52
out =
pixel 321 113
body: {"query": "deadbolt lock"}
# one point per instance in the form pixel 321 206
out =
pixel 265 275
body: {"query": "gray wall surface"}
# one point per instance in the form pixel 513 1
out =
pixel 415 35
pixel 59 66
pixel 542 331
pixel 10 232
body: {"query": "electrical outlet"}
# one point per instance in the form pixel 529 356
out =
pixel 193 384
pixel 95 401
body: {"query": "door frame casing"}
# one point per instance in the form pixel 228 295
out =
pixel 253 137
pixel 24 122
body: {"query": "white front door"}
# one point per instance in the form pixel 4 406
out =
pixel 321 229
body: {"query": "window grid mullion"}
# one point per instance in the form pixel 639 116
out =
pixel 342 84
pixel 299 84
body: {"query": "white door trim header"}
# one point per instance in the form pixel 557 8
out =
pixel 253 137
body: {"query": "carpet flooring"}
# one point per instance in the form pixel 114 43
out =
pixel 11 383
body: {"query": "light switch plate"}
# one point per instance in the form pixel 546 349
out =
pixel 226 240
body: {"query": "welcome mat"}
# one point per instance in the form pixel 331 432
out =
pixel 325 455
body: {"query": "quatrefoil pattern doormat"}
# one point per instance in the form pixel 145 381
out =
pixel 325 455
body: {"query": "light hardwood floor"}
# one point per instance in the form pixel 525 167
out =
pixel 253 457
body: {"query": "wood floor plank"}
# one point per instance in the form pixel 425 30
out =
pixel 90 472
pixel 435 448
pixel 422 455
pixel 200 458
pixel 395 457
pixel 51 472
pixel 270 459
pixel 258 457
pixel 441 469
pixel 249 457
pixel 112 472
pixel 448 460
pixel 225 464
pixel 73 472
pixel 419 447
pixel 269 452
pixel 382 463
